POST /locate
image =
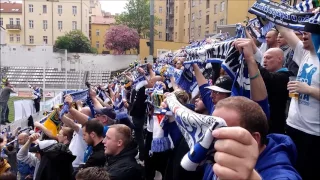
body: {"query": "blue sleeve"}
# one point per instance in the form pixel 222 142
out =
pixel 264 104
pixel 105 129
pixel 205 95
pixel 174 132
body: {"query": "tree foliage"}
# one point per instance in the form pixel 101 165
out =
pixel 121 38
pixel 137 16
pixel 74 41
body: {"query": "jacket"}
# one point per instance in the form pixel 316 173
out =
pixel 56 163
pixel 275 162
pixel 5 167
pixel 276 84
pixel 137 102
pixel 97 157
pixel 124 165
pixel 25 156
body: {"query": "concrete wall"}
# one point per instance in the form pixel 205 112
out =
pixel 40 56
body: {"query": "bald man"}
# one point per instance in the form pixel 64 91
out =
pixel 22 138
pixel 24 170
pixel 276 79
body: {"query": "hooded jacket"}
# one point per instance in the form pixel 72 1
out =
pixel 124 165
pixel 56 163
pixel 275 162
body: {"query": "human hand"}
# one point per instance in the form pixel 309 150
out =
pixel 68 99
pixel 317 10
pixel 141 71
pixel 237 153
pixel 298 87
pixel 79 103
pixel 245 46
pixel 37 124
pixel 92 93
pixel 34 137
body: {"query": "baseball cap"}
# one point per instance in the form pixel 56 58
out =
pixel 223 84
pixel 42 145
pixel 106 111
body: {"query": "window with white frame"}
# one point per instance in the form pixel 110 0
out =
pixel 74 25
pixel 160 9
pixel 30 8
pixel 18 37
pixel 221 21
pixel 160 35
pixel 45 39
pixel 200 14
pixel 215 9
pixel 192 16
pixel 97 44
pixel 45 24
pixel 215 25
pixel 74 10
pixel 207 19
pixel 18 21
pixel 97 32
pixel 44 9
pixel 30 24
pixel 1 21
pixel 11 37
pixel 59 25
pixel 11 21
pixel 222 6
pixel 60 9
pixel 199 31
pixel 175 35
pixel 193 2
pixel 31 39
pixel 160 22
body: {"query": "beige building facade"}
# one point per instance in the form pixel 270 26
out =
pixel 46 20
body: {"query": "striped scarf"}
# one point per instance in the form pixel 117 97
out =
pixel 307 5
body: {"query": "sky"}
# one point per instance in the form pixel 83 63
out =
pixel 112 6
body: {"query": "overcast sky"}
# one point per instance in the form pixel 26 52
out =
pixel 113 6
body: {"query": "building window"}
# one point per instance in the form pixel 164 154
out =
pixel 18 37
pixel 11 38
pixel 31 39
pixel 59 25
pixel 208 4
pixel 30 8
pixel 184 19
pixel 30 24
pixel 184 32
pixel 176 21
pixel 160 22
pixel 200 1
pixel 222 6
pixel 215 9
pixel 74 25
pixel 215 26
pixel 176 9
pixel 221 21
pixel 185 5
pixel 175 35
pixel 207 19
pixel 11 21
pixel 1 21
pixel 45 39
pixel 188 17
pixel 207 32
pixel 74 10
pixel 192 16
pixel 45 24
pixel 192 32
pixel 200 14
pixel 193 3
pixel 97 44
pixel 199 31
pixel 59 9
pixel 160 35
pixel 160 9
pixel 97 32
pixel 18 21
pixel 44 9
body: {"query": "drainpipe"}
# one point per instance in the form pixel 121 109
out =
pixel 81 15
pixel 227 7
pixel 24 16
pixel 190 20
pixel 52 23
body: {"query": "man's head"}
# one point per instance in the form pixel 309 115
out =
pixel 243 112
pixel 271 38
pixel 299 34
pixel 307 41
pixel 93 173
pixel 92 132
pixel 23 138
pixel 105 115
pixel 221 88
pixel 65 135
pixel 7 84
pixel 273 59
pixel 178 64
pixel 281 41
pixel 117 138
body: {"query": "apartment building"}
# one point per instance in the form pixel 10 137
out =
pixel 11 23
pixel 46 20
pixel 184 21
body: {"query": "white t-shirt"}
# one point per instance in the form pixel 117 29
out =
pixel 78 146
pixel 304 113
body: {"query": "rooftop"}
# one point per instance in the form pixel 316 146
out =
pixel 7 7
pixel 102 20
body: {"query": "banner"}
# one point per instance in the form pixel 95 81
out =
pixel 79 95
pixel 23 109
pixel 48 94
pixel 26 94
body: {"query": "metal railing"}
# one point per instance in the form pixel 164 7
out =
pixel 13 26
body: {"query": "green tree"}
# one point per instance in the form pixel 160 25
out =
pixel 137 16
pixel 75 42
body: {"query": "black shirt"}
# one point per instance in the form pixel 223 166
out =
pixel 97 158
pixel 138 103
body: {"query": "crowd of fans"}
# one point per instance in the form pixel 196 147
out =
pixel 119 134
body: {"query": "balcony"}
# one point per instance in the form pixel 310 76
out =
pixel 171 1
pixel 13 27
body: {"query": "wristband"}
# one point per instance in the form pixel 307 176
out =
pixel 255 76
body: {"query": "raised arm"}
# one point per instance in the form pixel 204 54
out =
pixel 45 131
pixel 201 80
pixel 70 123
pixel 289 36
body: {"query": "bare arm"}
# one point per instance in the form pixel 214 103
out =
pixel 199 76
pixel 45 130
pixel 314 92
pixel 70 123
pixel 258 88
pixel 80 117
pixel 289 36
